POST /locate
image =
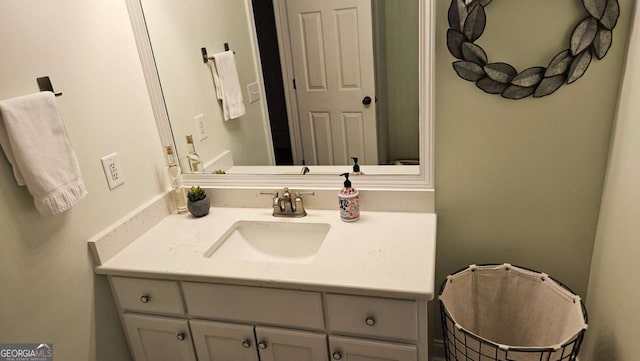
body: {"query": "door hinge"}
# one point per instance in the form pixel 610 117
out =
pixel 294 84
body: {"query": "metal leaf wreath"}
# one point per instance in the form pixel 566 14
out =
pixel 592 36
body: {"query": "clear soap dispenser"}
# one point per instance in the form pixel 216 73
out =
pixel 349 200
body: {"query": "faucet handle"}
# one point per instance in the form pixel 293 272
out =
pixel 275 201
pixel 298 194
pixel 299 207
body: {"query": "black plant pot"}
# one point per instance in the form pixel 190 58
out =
pixel 199 208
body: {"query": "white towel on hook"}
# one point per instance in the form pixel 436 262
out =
pixel 227 83
pixel 36 144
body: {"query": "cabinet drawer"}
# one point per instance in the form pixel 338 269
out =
pixel 370 316
pixel 346 348
pixel 254 304
pixel 134 294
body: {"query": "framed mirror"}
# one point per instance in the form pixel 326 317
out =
pixel 249 148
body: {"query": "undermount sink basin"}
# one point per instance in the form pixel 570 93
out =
pixel 289 242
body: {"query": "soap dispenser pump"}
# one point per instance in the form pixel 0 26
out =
pixel 356 167
pixel 349 200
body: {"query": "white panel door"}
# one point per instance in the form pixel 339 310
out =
pixel 221 341
pixel 332 51
pixel 277 344
pixel 155 338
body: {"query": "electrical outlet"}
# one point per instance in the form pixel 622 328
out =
pixel 112 170
pixel 202 131
pixel 254 92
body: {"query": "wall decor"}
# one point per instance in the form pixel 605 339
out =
pixel 592 36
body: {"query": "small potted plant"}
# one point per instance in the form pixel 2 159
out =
pixel 198 203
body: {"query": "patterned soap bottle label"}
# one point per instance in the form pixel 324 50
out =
pixel 350 209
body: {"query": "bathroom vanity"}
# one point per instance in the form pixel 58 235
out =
pixel 240 284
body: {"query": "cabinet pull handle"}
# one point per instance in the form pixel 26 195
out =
pixel 370 321
pixel 246 343
pixel 262 345
pixel 181 336
pixel 337 356
pixel 145 298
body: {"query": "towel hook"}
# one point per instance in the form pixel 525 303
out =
pixel 44 83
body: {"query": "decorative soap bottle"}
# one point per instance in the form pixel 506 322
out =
pixel 178 193
pixel 195 165
pixel 349 201
pixel 356 167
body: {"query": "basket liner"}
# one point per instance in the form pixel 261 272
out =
pixel 513 307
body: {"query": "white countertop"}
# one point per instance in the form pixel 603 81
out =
pixel 384 252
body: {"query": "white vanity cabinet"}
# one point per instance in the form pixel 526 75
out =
pixel 372 317
pixel 184 321
pixel 231 340
pixel 360 298
pixel 156 338
pixel 145 306
pixel 228 341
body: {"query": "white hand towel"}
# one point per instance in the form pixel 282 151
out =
pixel 36 144
pixel 216 81
pixel 228 84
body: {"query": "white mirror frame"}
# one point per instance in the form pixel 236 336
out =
pixel 422 181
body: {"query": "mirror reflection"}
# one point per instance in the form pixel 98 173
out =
pixel 321 82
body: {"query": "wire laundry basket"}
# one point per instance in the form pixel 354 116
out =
pixel 508 313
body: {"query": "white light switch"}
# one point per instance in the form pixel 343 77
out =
pixel 254 92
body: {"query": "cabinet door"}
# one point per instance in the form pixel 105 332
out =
pixel 276 344
pixel 155 338
pixel 353 349
pixel 220 341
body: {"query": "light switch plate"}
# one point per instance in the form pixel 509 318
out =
pixel 112 170
pixel 200 127
pixel 254 92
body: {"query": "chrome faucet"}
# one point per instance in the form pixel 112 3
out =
pixel 286 205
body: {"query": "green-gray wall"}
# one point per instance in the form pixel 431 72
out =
pixel 614 289
pixel 402 83
pixel 521 181
pixel 50 293
pixel 395 28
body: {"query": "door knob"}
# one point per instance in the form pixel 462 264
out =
pixel 366 100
